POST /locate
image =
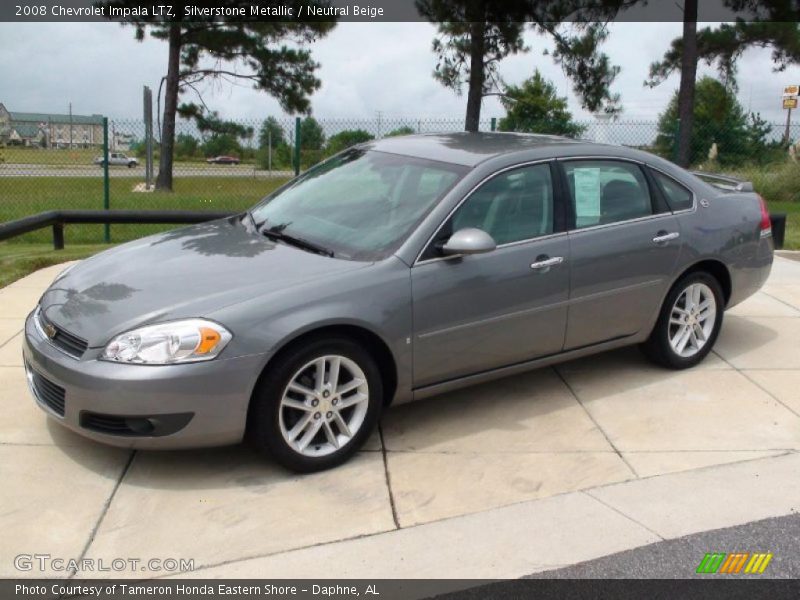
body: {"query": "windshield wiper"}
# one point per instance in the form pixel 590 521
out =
pixel 252 219
pixel 277 233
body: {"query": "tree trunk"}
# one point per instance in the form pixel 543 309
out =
pixel 476 76
pixel 164 181
pixel 688 77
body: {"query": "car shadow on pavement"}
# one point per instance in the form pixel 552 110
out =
pixel 538 411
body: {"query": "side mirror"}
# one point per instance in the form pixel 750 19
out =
pixel 469 240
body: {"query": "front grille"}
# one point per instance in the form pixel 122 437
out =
pixel 48 393
pixel 69 343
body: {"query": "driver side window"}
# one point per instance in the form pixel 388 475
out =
pixel 514 206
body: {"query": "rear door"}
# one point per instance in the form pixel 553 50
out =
pixel 624 245
pixel 480 312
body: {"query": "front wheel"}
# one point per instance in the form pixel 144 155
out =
pixel 316 405
pixel 689 322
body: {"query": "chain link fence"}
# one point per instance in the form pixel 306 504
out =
pixel 232 168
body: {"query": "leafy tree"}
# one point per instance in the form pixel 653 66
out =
pixel 474 36
pixel 402 130
pixel 312 137
pixel 345 139
pixel 186 145
pixel 271 130
pixel 253 51
pixel 222 144
pixel 723 45
pixel 718 118
pixel 535 107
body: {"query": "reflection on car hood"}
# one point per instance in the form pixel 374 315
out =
pixel 187 272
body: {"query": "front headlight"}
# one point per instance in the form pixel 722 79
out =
pixel 192 340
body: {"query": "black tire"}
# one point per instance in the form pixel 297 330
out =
pixel 658 348
pixel 264 429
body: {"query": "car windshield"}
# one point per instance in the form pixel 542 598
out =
pixel 361 204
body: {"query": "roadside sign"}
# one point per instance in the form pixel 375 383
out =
pixel 791 90
pixel 790 103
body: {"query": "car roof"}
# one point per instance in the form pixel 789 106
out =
pixel 470 149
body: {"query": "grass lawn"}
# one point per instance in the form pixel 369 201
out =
pixel 23 196
pixel 44 156
pixel 18 260
pixel 792 210
pixel 75 157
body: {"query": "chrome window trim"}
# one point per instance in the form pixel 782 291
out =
pixel 500 247
pixel 466 197
pixel 625 222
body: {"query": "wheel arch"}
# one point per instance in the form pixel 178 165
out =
pixel 371 341
pixel 717 269
pixel 714 267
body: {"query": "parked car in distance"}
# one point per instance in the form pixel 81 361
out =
pixel 223 160
pixel 396 270
pixel 117 159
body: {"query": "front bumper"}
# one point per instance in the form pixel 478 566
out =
pixel 168 407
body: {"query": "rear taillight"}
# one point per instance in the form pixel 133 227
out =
pixel 766 224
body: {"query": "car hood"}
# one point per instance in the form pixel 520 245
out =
pixel 187 272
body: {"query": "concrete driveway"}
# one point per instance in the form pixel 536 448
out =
pixel 438 472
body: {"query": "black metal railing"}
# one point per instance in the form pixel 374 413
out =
pixel 58 219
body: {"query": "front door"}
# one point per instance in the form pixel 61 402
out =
pixel 480 312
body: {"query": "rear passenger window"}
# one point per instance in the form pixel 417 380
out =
pixel 607 191
pixel 678 197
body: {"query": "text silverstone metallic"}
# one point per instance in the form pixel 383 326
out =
pixel 254 10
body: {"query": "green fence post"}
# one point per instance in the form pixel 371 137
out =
pixel 106 188
pixel 494 123
pixel 677 144
pixel 297 146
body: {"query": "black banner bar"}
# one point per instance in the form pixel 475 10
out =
pixel 369 10
pixel 743 587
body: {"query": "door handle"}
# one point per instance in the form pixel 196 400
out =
pixel 663 237
pixel 543 262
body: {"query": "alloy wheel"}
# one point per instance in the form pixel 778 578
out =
pixel 692 320
pixel 324 405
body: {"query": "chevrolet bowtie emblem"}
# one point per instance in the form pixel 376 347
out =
pixel 49 330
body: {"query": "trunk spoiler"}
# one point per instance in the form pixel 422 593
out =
pixel 724 182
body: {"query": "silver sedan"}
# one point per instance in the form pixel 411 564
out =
pixel 394 271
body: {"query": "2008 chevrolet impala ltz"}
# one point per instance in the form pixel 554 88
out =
pixel 395 270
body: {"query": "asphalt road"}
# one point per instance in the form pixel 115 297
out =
pixel 671 559
pixel 679 558
pixel 193 170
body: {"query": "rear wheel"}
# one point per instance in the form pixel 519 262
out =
pixel 317 405
pixel 689 322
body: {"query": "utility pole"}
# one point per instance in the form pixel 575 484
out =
pixel 148 137
pixel 787 133
pixel 790 96
pixel 269 151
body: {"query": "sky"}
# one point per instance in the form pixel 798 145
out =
pixel 366 68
